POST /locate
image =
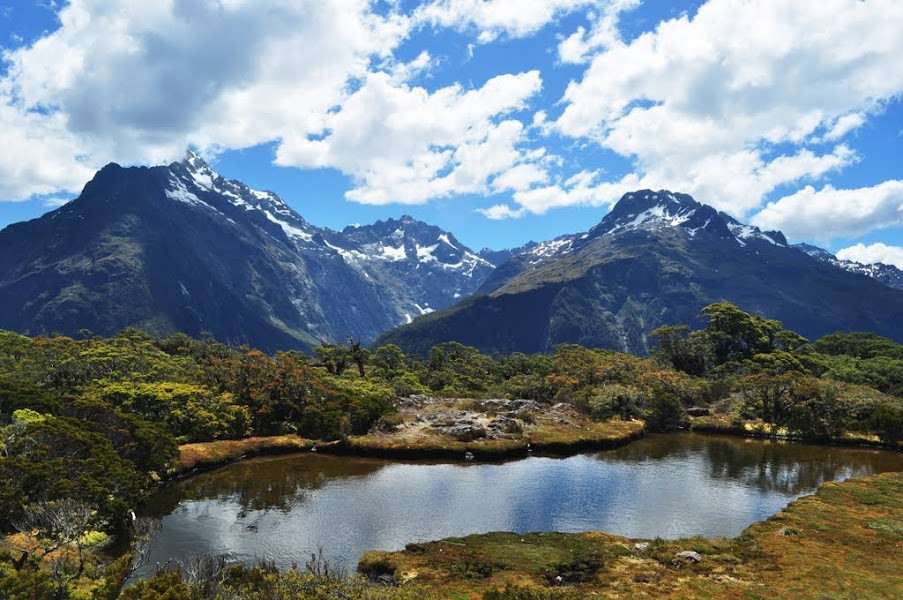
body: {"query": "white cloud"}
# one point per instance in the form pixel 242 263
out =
pixel 874 253
pixel 55 201
pixel 137 82
pixel 845 124
pixel 831 213
pixel 520 177
pixel 493 18
pixel 405 144
pixel 604 33
pixel 581 189
pixel 501 211
pixel 710 105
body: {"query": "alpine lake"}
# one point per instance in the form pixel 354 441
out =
pixel 284 509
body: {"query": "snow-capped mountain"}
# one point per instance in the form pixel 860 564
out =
pixel 422 267
pixel 179 247
pixel 886 274
pixel 640 211
pixel 656 258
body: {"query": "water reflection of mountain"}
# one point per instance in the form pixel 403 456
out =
pixel 773 466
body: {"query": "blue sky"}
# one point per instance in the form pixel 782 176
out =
pixel 500 120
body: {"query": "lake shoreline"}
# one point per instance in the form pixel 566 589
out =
pixel 714 426
pixel 222 453
pixel 804 548
pixel 201 457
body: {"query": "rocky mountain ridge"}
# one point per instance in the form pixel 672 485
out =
pixel 657 258
pixel 179 247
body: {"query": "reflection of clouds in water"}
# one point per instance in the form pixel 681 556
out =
pixel 669 486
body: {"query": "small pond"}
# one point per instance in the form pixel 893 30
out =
pixel 282 509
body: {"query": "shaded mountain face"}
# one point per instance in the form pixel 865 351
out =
pixel 179 248
pixel 887 274
pixel 657 258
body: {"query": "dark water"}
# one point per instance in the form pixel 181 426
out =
pixel 282 509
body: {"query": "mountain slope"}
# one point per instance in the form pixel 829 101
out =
pixel 657 258
pixel 179 248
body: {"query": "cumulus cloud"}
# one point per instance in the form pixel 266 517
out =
pixel 493 18
pixel 874 253
pixel 404 144
pixel 499 212
pixel 831 213
pixel 710 104
pixel 137 82
pixel 604 33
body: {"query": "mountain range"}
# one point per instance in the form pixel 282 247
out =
pixel 657 258
pixel 180 248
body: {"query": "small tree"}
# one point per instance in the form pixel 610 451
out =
pixel 51 531
pixel 358 355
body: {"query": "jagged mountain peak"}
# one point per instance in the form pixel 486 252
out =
pixel 644 209
pixel 179 246
pixel 647 209
pixel 407 240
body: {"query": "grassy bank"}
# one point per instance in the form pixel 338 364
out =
pixel 431 427
pixel 554 440
pixel 558 439
pixel 726 425
pixel 207 455
pixel 842 542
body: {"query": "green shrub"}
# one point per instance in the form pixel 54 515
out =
pixel 887 422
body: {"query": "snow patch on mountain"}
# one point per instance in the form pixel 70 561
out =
pixel 179 192
pixel 392 253
pixel 290 230
pixel 425 253
pixel 744 233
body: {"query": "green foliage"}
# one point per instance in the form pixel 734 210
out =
pixel 457 370
pixel 191 412
pixel 29 583
pixel 389 361
pixel 887 421
pixel 59 457
pixel 615 400
pixel 363 401
pixel 862 358
pixel 734 334
pixel 664 412
pixel 22 394
pixel 858 345
pixel 688 353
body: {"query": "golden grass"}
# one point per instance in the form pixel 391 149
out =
pixel 209 454
pixel 843 542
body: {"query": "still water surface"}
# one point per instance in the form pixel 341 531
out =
pixel 282 509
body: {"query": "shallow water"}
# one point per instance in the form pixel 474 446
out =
pixel 282 509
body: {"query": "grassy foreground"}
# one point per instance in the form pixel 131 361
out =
pixel 845 541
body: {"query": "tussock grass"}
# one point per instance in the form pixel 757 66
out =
pixel 210 454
